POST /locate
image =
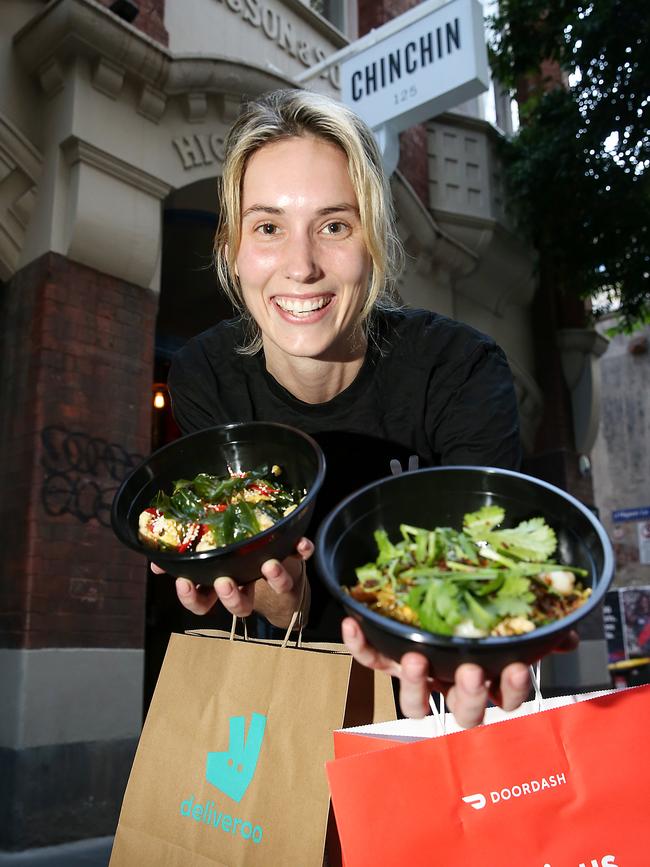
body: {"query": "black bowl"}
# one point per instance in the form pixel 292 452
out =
pixel 241 447
pixel 441 497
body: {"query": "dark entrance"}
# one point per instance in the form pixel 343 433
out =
pixel 190 302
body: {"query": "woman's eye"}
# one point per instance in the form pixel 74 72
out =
pixel 267 229
pixel 335 228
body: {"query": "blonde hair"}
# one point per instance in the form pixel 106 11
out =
pixel 284 114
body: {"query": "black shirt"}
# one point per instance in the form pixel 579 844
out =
pixel 429 386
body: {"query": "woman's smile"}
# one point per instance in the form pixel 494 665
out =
pixel 301 308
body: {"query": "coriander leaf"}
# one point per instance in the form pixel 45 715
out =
pixel 467 548
pixel 369 573
pixel 530 540
pixel 447 602
pixel 514 597
pixel 387 551
pixel 428 613
pixel 481 617
pixel 487 518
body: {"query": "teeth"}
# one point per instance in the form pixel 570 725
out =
pixel 298 306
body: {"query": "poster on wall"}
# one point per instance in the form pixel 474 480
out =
pixel 626 615
pixel 631 535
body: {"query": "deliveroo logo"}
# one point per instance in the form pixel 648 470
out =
pixel 232 770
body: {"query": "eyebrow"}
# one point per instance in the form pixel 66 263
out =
pixel 322 212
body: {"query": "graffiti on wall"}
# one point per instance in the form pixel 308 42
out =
pixel 82 474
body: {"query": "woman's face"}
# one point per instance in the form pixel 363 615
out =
pixel 302 262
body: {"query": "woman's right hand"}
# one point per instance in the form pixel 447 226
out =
pixel 276 595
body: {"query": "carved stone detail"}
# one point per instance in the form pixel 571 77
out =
pixel 108 77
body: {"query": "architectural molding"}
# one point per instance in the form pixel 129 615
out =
pixel 196 107
pixel 112 214
pixel 69 28
pixel 76 151
pixel 108 77
pixel 84 28
pixel 580 350
pixel 430 241
pixel 530 401
pixel 16 147
pixel 20 169
pixel 50 76
pixel 152 103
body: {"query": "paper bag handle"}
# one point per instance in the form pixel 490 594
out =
pixel 296 618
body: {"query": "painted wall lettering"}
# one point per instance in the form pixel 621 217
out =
pixel 199 149
pixel 275 25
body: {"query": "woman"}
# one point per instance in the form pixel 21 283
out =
pixel 307 252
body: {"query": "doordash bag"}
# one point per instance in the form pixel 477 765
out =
pixel 567 786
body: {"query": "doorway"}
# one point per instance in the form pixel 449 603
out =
pixel 190 302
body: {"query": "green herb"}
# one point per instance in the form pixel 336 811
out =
pixel 481 574
pixel 193 501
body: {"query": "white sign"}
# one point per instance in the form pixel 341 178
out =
pixel 431 65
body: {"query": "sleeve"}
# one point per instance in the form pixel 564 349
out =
pixel 479 422
pixel 192 397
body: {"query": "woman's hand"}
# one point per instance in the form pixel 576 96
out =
pixel 276 596
pixel 467 697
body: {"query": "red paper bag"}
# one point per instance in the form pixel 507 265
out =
pixel 565 787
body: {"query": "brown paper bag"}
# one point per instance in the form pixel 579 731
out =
pixel 230 768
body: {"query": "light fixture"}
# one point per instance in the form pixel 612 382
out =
pixel 159 395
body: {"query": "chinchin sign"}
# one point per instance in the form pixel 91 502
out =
pixel 231 772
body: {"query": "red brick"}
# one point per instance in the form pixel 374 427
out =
pixel 60 573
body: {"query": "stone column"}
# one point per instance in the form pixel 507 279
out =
pixel 75 396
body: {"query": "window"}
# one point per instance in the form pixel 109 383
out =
pixel 339 13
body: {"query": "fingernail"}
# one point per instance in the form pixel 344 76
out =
pixel 519 679
pixel 473 681
pixel 224 587
pixel 274 569
pixel 183 586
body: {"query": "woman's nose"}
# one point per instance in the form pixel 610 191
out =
pixel 302 260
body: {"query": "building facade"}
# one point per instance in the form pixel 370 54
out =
pixel 112 123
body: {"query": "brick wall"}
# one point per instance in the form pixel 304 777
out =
pixel 413 145
pixel 77 358
pixel 150 18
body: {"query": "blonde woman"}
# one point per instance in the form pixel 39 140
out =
pixel 307 252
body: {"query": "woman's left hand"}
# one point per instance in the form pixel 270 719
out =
pixel 467 697
pixel 280 591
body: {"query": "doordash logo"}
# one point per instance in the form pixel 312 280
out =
pixel 232 770
pixel 478 801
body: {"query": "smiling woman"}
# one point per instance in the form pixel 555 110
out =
pixel 303 265
pixel 307 251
